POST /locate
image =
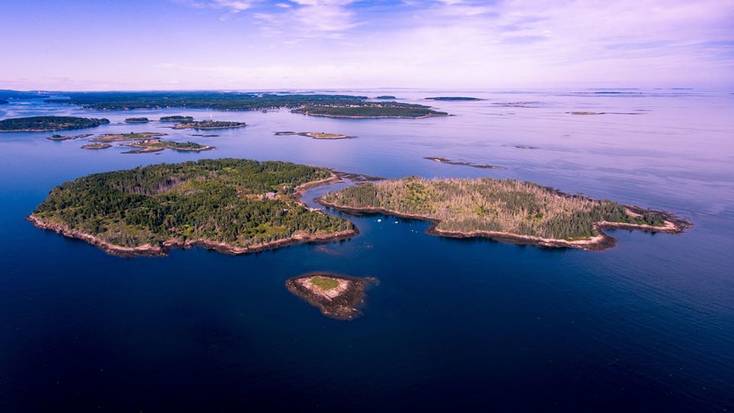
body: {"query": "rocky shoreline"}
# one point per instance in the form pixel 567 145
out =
pixel 342 300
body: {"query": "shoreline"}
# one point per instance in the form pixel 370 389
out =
pixel 601 241
pixel 164 247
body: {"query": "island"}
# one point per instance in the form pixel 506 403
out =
pixel 234 206
pixel 440 159
pixel 49 123
pixel 137 120
pixel 96 146
pixel 209 124
pixel 157 145
pixel 386 97
pixel 508 210
pixel 124 137
pixel 316 135
pixel 61 138
pixel 177 118
pixel 370 110
pixel 336 296
pixel 453 98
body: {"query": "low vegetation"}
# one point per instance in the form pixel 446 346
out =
pixel 49 123
pixel 157 145
pixel 230 203
pixel 466 206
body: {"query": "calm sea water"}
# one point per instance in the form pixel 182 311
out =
pixel 453 324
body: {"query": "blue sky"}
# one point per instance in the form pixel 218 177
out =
pixel 297 44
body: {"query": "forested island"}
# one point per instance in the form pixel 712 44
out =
pixel 229 205
pixel 370 110
pixel 339 106
pixel 49 123
pixel 386 97
pixel 209 124
pixel 336 296
pixel 315 135
pixel 137 120
pixel 502 209
pixel 176 118
pixel 453 98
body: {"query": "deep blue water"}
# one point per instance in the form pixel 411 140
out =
pixel 453 325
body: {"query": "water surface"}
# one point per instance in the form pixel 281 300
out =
pixel 453 324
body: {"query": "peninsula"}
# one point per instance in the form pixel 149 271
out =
pixel 49 123
pixel 336 296
pixel 509 210
pixel 229 205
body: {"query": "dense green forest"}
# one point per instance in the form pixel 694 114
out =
pixel 199 100
pixel 49 123
pixel 238 202
pixel 312 104
pixel 466 205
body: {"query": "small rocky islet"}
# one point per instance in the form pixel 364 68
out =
pixel 336 296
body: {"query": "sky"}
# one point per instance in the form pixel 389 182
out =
pixel 352 44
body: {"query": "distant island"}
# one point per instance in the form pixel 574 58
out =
pixel 137 120
pixel 229 205
pixel 370 110
pixel 337 296
pixel 453 98
pixel 49 123
pixel 502 209
pixel 337 106
pixel 96 146
pixel 124 137
pixel 386 97
pixel 447 161
pixel 316 135
pixel 209 124
pixel 177 118
pixel 158 145
pixel 61 138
